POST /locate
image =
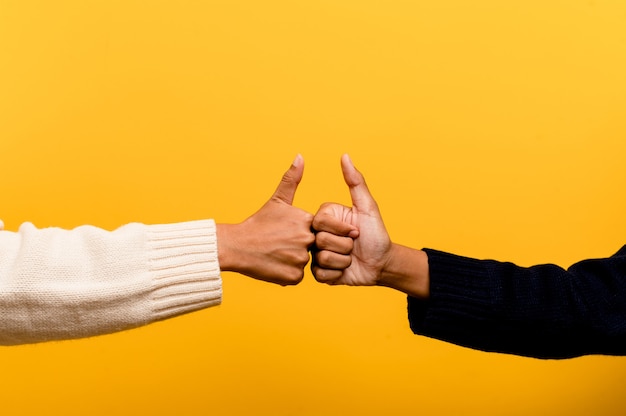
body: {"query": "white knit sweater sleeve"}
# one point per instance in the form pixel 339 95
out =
pixel 61 284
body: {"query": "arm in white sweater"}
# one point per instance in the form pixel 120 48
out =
pixel 60 284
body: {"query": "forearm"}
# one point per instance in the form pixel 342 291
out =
pixel 542 311
pixel 59 284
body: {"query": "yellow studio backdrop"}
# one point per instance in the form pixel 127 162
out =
pixel 491 129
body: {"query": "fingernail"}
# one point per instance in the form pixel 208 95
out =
pixel 297 161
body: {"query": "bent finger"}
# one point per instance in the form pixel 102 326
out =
pixel 327 276
pixel 330 224
pixel 331 260
pixel 332 242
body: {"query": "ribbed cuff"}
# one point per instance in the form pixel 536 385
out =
pixel 460 299
pixel 184 267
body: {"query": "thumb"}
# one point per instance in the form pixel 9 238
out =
pixel 361 196
pixel 286 190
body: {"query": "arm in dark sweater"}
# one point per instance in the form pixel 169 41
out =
pixel 542 311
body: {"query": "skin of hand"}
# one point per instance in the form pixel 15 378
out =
pixel 352 246
pixel 273 244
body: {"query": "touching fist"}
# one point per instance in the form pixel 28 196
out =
pixel 352 246
pixel 273 244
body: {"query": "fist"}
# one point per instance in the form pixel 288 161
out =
pixel 352 245
pixel 273 244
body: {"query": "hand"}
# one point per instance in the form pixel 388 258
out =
pixel 352 246
pixel 340 259
pixel 271 245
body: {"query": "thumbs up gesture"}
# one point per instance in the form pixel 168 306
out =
pixel 272 244
pixel 352 245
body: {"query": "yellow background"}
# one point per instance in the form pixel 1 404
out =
pixel 487 128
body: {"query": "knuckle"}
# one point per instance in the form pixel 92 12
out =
pixel 321 240
pixel 296 276
pixel 346 246
pixel 321 258
pixel 321 275
pixel 303 257
pixel 327 276
pixel 324 257
pixel 309 239
pixel 317 222
pixel 314 269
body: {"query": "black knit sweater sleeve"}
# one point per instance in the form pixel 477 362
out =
pixel 542 311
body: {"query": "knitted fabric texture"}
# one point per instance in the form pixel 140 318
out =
pixel 62 284
pixel 543 311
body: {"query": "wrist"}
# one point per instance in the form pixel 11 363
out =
pixel 406 270
pixel 226 246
